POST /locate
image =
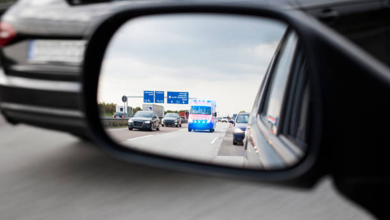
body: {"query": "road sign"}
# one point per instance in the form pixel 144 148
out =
pixel 159 96
pixel 124 99
pixel 177 97
pixel 148 96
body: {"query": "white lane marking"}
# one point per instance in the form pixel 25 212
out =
pixel 213 141
pixel 139 137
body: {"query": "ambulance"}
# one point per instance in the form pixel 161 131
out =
pixel 202 115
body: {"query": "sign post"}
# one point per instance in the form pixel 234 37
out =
pixel 124 100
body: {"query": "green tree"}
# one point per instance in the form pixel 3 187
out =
pixel 106 109
pixel 136 109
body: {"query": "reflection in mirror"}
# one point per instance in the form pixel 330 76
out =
pixel 187 86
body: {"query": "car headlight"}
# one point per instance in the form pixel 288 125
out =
pixel 238 131
pixel 162 120
pixel 147 122
pixel 130 121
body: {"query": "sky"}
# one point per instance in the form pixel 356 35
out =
pixel 218 57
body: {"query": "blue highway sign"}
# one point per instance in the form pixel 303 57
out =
pixel 177 97
pixel 159 96
pixel 148 96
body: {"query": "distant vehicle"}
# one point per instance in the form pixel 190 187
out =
pixel 240 127
pixel 146 120
pixel 184 114
pixel 171 119
pixel 233 118
pixel 123 109
pixel 120 115
pixel 158 109
pixel 224 119
pixel 219 119
pixel 202 115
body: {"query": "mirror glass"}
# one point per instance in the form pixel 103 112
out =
pixel 188 86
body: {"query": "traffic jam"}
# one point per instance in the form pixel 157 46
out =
pixel 198 132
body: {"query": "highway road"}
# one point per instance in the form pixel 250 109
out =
pixel 204 146
pixel 52 175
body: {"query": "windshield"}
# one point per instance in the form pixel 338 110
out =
pixel 242 118
pixel 201 110
pixel 143 114
pixel 171 115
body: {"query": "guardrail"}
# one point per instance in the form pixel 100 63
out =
pixel 111 122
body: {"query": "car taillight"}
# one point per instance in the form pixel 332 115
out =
pixel 123 116
pixel 7 33
pixel 113 116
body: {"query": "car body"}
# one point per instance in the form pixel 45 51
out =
pixel 144 120
pixel 233 119
pixel 225 119
pixel 267 116
pixel 51 83
pixel 120 115
pixel 240 127
pixel 171 119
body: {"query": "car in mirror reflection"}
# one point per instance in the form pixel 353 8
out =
pixel 144 120
pixel 171 119
pixel 177 48
pixel 240 127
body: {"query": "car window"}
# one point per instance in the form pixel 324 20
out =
pixel 278 83
pixel 242 118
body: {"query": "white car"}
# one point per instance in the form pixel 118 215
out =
pixel 225 119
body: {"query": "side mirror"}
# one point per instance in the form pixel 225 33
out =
pixel 276 156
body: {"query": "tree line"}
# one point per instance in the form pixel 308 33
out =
pixel 110 109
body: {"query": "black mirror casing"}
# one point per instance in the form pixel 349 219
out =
pixel 346 84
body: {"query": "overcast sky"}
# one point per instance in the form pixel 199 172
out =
pixel 219 57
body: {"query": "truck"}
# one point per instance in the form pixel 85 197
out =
pixel 122 109
pixel 158 109
pixel 202 115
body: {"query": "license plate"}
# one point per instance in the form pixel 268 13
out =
pixel 69 51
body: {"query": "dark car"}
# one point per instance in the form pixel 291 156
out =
pixel 42 45
pixel 120 115
pixel 171 119
pixel 233 118
pixel 240 127
pixel 146 120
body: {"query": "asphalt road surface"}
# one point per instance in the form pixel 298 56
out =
pixel 204 146
pixel 51 175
